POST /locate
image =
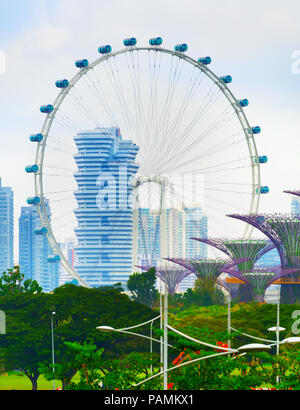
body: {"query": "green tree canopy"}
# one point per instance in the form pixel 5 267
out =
pixel 13 281
pixel 27 343
pixel 142 287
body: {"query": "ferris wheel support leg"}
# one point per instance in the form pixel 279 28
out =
pixel 135 234
pixel 163 221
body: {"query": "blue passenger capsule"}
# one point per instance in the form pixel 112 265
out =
pixel 256 130
pixel 130 42
pixel 157 41
pixel 34 201
pixel 54 259
pixel 264 190
pixel 42 231
pixel 82 63
pixel 263 160
pixel 244 102
pixel 181 48
pixel 36 137
pixel 47 109
pixel 205 60
pixel 32 169
pixel 226 79
pixel 260 219
pixel 62 84
pixel 105 49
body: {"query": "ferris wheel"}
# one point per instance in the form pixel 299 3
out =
pixel 194 143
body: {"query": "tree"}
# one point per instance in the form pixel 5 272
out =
pixel 142 287
pixel 208 293
pixel 83 358
pixel 27 344
pixel 124 372
pixel 28 338
pixel 12 282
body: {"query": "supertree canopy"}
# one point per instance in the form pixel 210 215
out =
pixel 250 249
pixel 172 277
pixel 206 268
pixel 296 192
pixel 284 232
pixel 260 279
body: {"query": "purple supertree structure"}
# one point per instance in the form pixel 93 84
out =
pixel 296 192
pixel 206 268
pixel 284 232
pixel 251 249
pixel 171 276
pixel 260 279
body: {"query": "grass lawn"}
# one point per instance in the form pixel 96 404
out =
pixel 18 381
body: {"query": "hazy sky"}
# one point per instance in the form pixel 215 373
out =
pixel 253 41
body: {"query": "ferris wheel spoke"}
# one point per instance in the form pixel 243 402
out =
pixel 66 121
pixel 93 83
pixel 172 134
pixel 80 104
pixel 112 75
pixel 166 107
pixel 212 128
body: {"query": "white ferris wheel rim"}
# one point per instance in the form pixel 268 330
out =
pixel 41 147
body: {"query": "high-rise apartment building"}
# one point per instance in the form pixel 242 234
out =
pixel 67 247
pixel 6 228
pixel 181 226
pixel 34 250
pixel 106 165
pixel 295 207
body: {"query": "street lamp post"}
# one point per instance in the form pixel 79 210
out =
pixel 53 353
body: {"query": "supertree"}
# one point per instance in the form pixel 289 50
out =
pixel 206 268
pixel 251 249
pixel 169 275
pixel 260 279
pixel 284 232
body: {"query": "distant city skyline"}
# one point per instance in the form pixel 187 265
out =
pixel 34 249
pixel 6 227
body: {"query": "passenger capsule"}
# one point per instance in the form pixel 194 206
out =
pixel 36 138
pixel 41 232
pixel 62 84
pixel 34 201
pixel 82 63
pixel 130 42
pixel 47 109
pixel 261 219
pixel 256 130
pixel 157 41
pixel 54 259
pixel 105 49
pixel 264 190
pixel 244 103
pixel 181 48
pixel 205 60
pixel 32 169
pixel 263 160
pixel 226 79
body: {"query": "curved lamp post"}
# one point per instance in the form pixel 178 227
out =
pixel 53 354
